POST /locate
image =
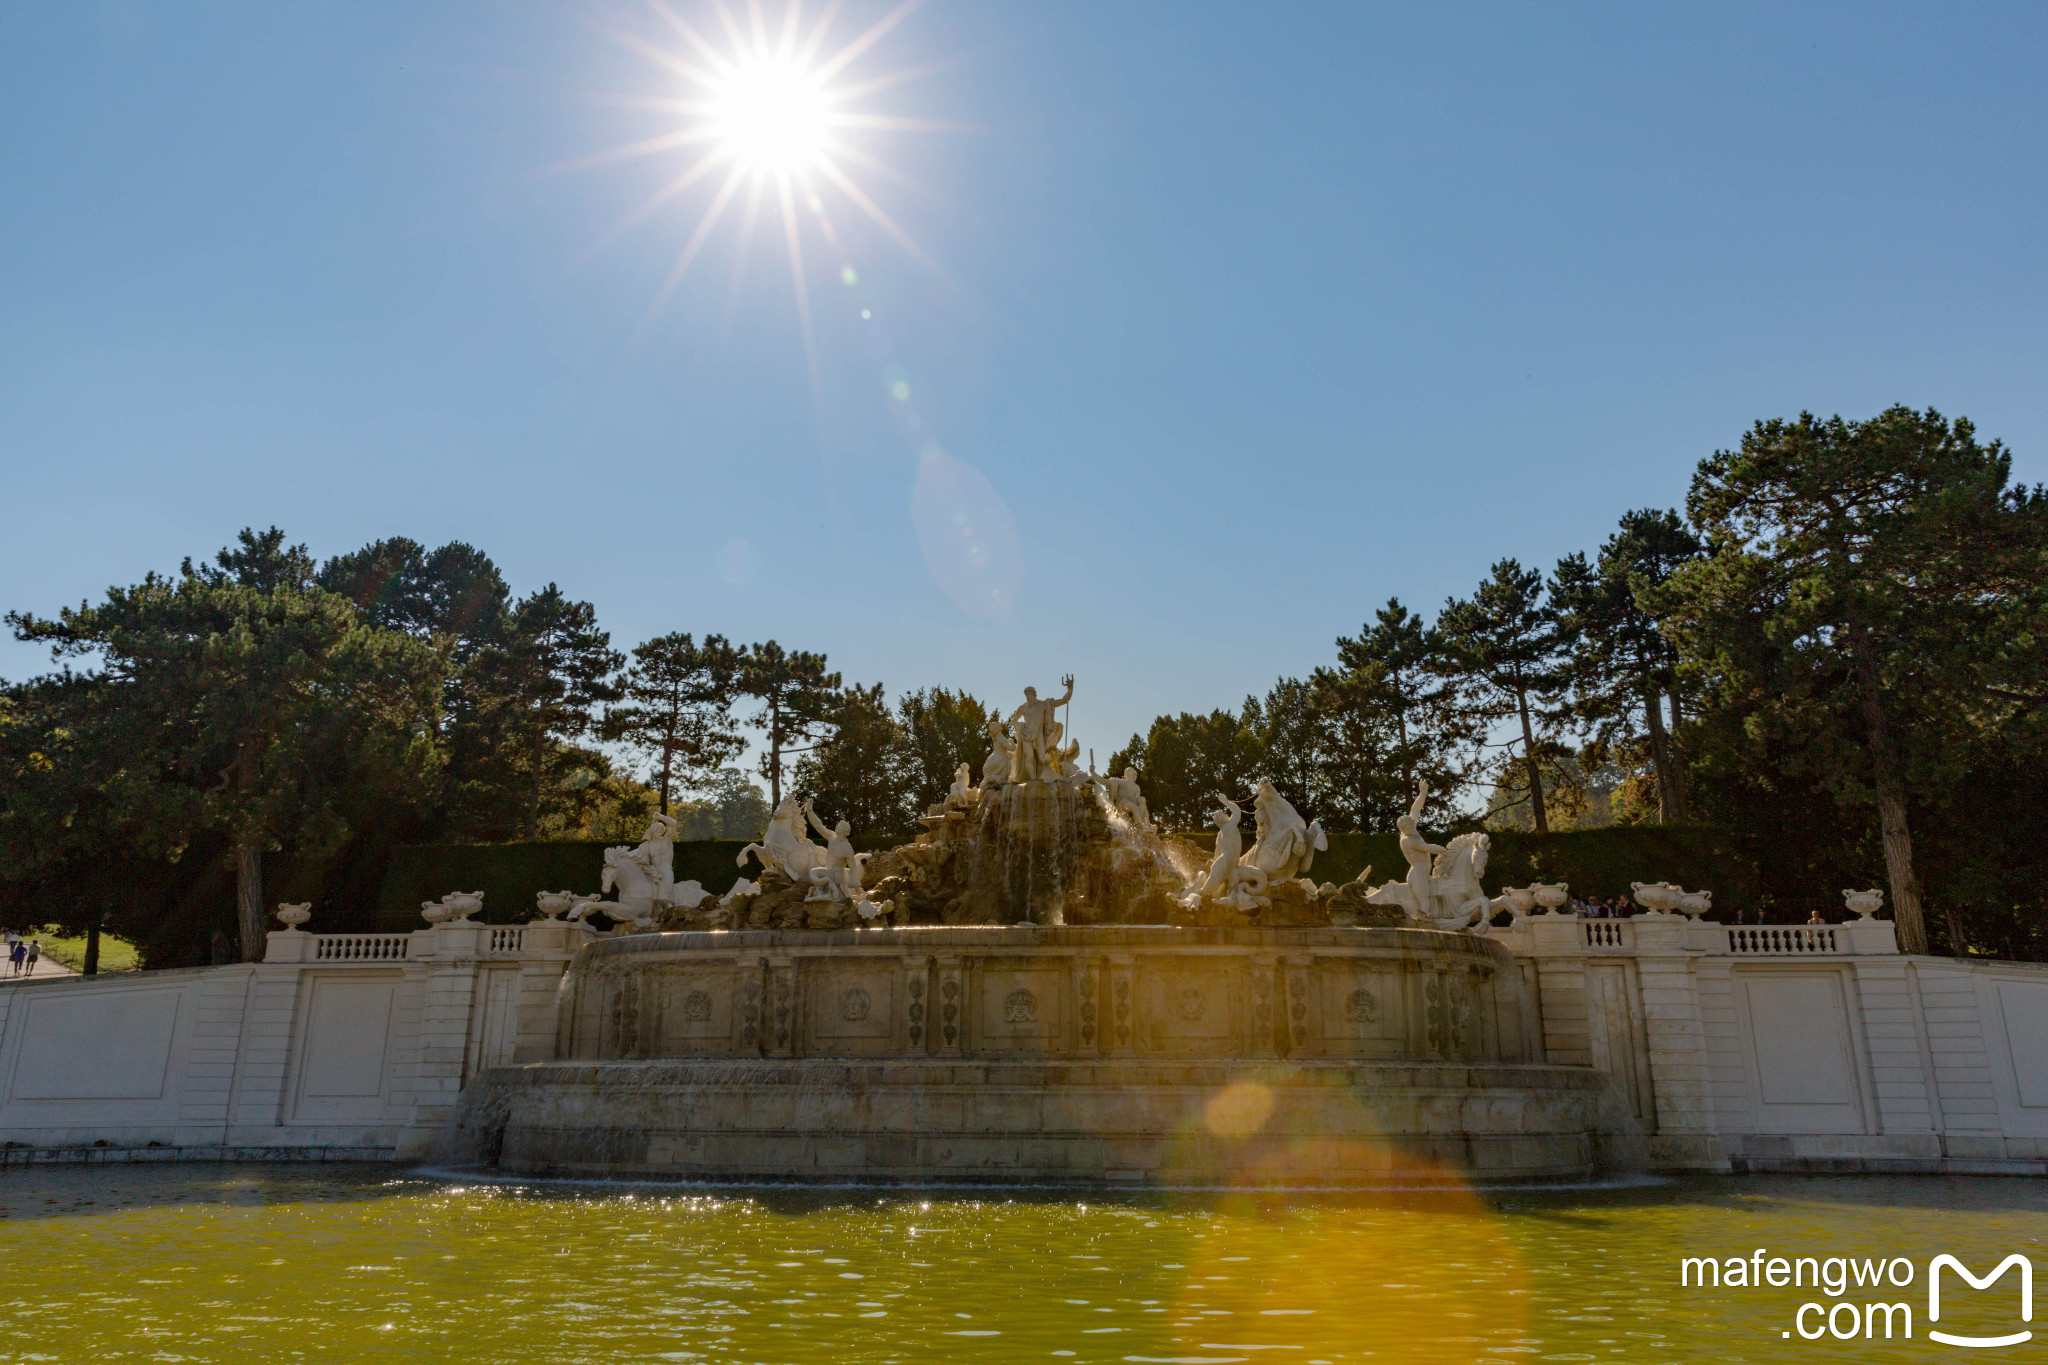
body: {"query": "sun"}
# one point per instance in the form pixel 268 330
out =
pixel 771 114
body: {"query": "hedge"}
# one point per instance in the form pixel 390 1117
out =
pixel 1596 862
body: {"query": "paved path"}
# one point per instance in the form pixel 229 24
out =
pixel 45 966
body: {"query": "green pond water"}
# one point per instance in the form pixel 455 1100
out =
pixel 279 1263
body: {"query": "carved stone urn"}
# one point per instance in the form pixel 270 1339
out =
pixel 553 904
pixel 1550 895
pixel 1693 904
pixel 1656 897
pixel 1864 903
pixel 292 916
pixel 454 908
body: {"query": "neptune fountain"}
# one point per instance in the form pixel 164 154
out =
pixel 1042 985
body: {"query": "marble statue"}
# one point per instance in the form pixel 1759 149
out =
pixel 1443 887
pixel 839 878
pixel 1461 902
pixel 1123 795
pixel 1037 757
pixel 961 793
pixel 643 877
pixel 1287 844
pixel 1228 882
pixel 1415 895
pixel 784 848
pixel 1002 757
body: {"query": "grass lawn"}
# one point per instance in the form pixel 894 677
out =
pixel 116 954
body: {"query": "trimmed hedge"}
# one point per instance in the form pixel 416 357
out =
pixel 1596 862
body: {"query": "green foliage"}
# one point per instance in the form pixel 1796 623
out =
pixel 797 697
pixel 236 700
pixel 941 730
pixel 677 709
pixel 732 807
pixel 1623 667
pixel 1869 624
pixel 535 696
pixel 856 773
pixel 1505 649
pixel 1391 720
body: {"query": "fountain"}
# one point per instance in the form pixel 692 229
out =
pixel 1042 986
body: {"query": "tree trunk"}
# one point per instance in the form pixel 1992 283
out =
pixel 92 949
pixel 1537 814
pixel 774 757
pixel 1891 798
pixel 533 797
pixel 1668 799
pixel 1679 784
pixel 667 759
pixel 249 917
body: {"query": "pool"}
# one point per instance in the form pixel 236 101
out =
pixel 268 1263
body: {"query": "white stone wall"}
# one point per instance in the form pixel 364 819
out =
pixel 1797 1048
pixel 1724 1048
pixel 352 1046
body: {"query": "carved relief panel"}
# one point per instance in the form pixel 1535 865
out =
pixel 1020 1008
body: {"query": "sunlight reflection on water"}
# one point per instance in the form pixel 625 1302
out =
pixel 211 1263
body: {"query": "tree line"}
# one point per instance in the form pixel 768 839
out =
pixel 1839 653
pixel 1836 654
pixel 264 701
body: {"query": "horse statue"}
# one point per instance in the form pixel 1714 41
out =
pixel 1287 844
pixel 644 878
pixel 785 848
pixel 1454 900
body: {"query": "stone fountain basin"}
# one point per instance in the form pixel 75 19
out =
pixel 1014 1053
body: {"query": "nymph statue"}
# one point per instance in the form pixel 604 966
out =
pixel 1287 844
pixel 1123 794
pixel 1002 757
pixel 839 877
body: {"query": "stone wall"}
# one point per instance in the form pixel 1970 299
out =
pixel 1799 1047
pixel 1715 1047
pixel 351 1046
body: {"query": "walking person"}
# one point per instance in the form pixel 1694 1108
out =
pixel 17 955
pixel 35 950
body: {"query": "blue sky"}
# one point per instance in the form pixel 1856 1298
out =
pixel 1244 317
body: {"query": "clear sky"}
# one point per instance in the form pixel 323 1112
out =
pixel 1245 317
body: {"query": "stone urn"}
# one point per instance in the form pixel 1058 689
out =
pixel 1693 904
pixel 292 916
pixel 454 908
pixel 553 904
pixel 1551 896
pixel 1656 897
pixel 1864 903
pixel 1522 899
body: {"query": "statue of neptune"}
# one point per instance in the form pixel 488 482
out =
pixel 1037 734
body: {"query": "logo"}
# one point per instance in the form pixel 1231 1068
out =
pixel 2026 1268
